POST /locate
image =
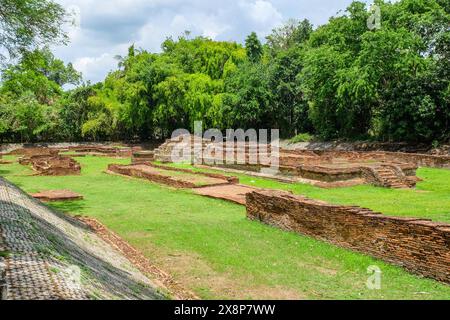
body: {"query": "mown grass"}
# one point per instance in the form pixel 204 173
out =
pixel 209 246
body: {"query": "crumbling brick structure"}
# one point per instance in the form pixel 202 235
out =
pixel 140 157
pixel 419 245
pixel 107 151
pixel 55 165
pixel 174 177
pixel 324 169
pixel 420 160
pixel 28 153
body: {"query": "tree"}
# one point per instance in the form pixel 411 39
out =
pixel 27 24
pixel 32 99
pixel 43 61
pixel 27 120
pixel 40 72
pixel 289 102
pixel 389 83
pixel 247 102
pixel 340 81
pixel 286 50
pixel 153 94
pixel 253 47
pixel 73 111
pixel 318 83
pixel 292 33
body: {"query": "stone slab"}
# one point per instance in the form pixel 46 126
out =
pixel 57 195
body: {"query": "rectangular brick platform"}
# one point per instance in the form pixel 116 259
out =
pixel 57 195
pixel 174 177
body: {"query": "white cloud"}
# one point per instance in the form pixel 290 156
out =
pixel 179 21
pixel 106 28
pixel 263 12
pixel 211 27
pixel 95 67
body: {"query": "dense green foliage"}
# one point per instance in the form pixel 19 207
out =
pixel 391 83
pixel 342 80
pixel 27 24
pixel 30 97
pixel 254 48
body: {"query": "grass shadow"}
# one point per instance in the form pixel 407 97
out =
pixel 73 207
pixel 5 172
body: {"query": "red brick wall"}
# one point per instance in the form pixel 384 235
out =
pixel 421 246
pixel 130 171
pixel 421 160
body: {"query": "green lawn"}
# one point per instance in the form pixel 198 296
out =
pixel 210 247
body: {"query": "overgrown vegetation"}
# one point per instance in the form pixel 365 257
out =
pixel 210 247
pixel 341 80
pixel 302 137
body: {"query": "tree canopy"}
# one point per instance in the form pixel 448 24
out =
pixel 254 48
pixel 28 24
pixel 341 80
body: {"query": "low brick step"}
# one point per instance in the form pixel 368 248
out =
pixel 398 184
pixel 395 182
pixel 391 176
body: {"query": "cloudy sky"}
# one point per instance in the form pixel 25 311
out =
pixel 106 28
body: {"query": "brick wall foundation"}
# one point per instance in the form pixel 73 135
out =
pixel 135 171
pixel 53 165
pixel 419 245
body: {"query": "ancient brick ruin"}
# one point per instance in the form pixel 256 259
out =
pixel 27 153
pixel 5 162
pixel 104 151
pixel 420 160
pixel 57 195
pixel 53 165
pixel 174 177
pixel 140 157
pixel 231 192
pixel 326 169
pixel 47 161
pixel 419 245
pixel 57 166
pixel 78 150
